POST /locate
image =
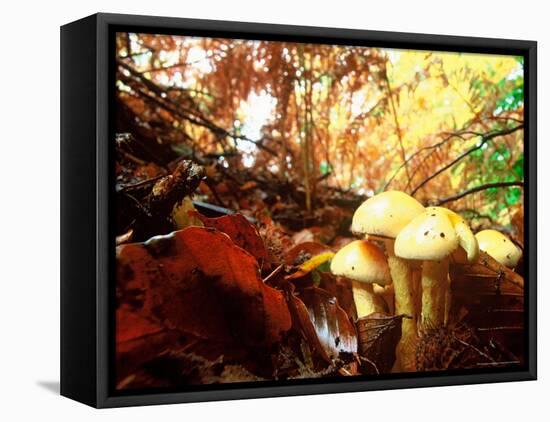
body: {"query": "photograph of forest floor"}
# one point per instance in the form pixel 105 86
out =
pixel 295 211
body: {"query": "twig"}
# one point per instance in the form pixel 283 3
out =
pixel 448 137
pixel 511 362
pixel 466 344
pixel 370 362
pixel 274 273
pixel 478 189
pixel 511 328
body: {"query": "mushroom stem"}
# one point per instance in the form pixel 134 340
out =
pixel 366 301
pixel 417 292
pixel 434 280
pixel 387 295
pixel 402 276
pixel 448 301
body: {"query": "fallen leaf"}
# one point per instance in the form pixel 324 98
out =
pixel 198 281
pixel 304 251
pixel 138 340
pixel 325 325
pixel 241 231
pixel 310 265
pixel 378 335
pixel 484 277
pixel 341 288
pixel 490 297
pixel 133 327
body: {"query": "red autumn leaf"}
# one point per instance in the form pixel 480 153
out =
pixel 132 326
pixel 199 282
pixel 241 231
pixel 138 339
pixel 324 323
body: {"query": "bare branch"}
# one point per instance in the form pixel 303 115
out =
pixel 478 189
pixel 486 138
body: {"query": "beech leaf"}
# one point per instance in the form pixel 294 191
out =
pixel 198 281
pixel 324 323
pixel 241 231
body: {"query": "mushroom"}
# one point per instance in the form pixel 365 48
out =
pixel 468 252
pixel 364 263
pixel 382 217
pixel 500 247
pixel 433 237
pixel 469 248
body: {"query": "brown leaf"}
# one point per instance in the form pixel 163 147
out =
pixel 198 281
pixel 341 288
pixel 484 277
pixel 138 339
pixel 241 231
pixel 490 297
pixel 378 337
pixel 274 236
pixel 325 325
pixel 132 327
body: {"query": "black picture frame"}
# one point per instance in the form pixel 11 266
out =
pixel 87 246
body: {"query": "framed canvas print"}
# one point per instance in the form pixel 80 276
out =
pixel 254 210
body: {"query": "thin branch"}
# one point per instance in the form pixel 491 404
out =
pixel 421 150
pixel 510 362
pixel 478 189
pixel 484 140
pixel 466 344
pixel 448 137
pixel 274 273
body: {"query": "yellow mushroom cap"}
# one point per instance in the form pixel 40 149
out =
pixel 430 237
pixel 499 246
pixel 361 261
pixel 466 237
pixel 385 214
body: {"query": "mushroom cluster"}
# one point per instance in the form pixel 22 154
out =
pixel 434 237
pixel 417 241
